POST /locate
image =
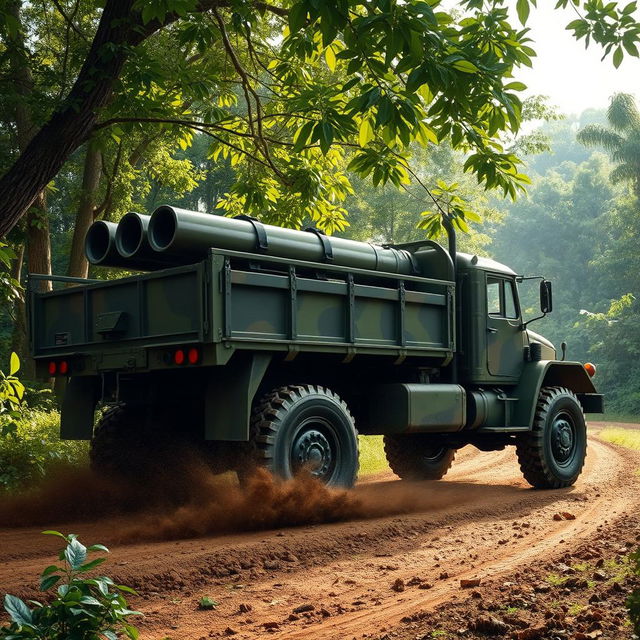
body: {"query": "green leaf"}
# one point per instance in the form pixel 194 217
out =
pixel 18 610
pixel 91 565
pixel 297 16
pixel 14 364
pixel 75 554
pixel 48 581
pixel 98 547
pixel 516 86
pixel 618 55
pixel 466 66
pixel 50 532
pixel 522 7
pixel 366 133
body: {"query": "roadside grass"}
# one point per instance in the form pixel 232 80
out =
pixel 372 458
pixel 629 438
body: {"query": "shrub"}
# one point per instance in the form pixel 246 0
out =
pixel 34 447
pixel 82 609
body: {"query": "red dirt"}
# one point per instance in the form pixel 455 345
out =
pixel 360 573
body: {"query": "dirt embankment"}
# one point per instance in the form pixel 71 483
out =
pixel 356 564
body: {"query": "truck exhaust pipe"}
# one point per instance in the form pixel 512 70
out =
pixel 188 236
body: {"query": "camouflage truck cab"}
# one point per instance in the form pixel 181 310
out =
pixel 268 346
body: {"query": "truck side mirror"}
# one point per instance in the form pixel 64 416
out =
pixel 546 297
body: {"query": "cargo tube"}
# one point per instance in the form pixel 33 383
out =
pixel 132 243
pixel 100 246
pixel 188 236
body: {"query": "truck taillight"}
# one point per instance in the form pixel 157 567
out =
pixel 193 355
pixel 63 367
pixel 53 368
pixel 178 356
pixel 590 369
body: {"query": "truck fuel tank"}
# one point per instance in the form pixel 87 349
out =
pixel 417 408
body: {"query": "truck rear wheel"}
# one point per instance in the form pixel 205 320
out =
pixel 417 456
pixel 305 427
pixel 552 454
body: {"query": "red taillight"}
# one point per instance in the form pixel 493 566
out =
pixel 64 367
pixel 193 356
pixel 53 367
pixel 590 369
pixel 178 356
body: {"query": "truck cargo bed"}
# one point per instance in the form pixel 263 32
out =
pixel 229 302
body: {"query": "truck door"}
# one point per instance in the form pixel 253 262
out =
pixel 505 339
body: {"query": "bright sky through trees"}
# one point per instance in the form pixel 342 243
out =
pixel 572 77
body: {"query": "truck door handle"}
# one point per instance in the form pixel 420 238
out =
pixel 492 330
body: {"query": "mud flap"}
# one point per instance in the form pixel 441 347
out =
pixel 78 407
pixel 229 396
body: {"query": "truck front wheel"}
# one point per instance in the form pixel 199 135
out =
pixel 300 427
pixel 417 456
pixel 552 454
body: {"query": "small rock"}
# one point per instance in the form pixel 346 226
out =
pixel 490 624
pixel 568 516
pixel 324 613
pixel 271 565
pixel 304 608
pixel 532 633
pixel 542 588
pixel 245 608
pixel 230 632
pixel 425 585
pixel 271 625
pixel 470 584
pixel 398 585
pixel 600 576
pixel 293 617
pixel 444 575
pixel 557 516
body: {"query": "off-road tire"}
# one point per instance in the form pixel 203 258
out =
pixel 116 448
pixel 552 454
pixel 298 426
pixel 415 456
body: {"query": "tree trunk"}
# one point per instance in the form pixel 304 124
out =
pixel 78 265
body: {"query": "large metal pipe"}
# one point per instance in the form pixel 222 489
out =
pixel 132 242
pixel 100 249
pixel 189 235
pixel 100 245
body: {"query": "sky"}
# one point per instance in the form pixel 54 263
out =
pixel 572 77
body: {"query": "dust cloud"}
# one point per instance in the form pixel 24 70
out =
pixel 192 501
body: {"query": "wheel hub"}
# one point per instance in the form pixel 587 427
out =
pixel 562 440
pixel 313 451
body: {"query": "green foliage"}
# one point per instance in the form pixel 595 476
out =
pixel 31 450
pixel 82 608
pixel 621 139
pixel 207 604
pixel 10 288
pixel 11 396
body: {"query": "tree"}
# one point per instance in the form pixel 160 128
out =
pixel 621 139
pixel 410 72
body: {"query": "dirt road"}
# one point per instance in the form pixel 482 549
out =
pixel 406 551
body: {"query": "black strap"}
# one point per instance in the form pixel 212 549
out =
pixel 326 243
pixel 262 242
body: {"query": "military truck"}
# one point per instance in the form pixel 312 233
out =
pixel 262 345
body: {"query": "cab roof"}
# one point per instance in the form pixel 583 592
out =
pixel 467 261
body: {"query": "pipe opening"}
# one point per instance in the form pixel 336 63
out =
pixel 162 228
pixel 97 242
pixel 129 235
